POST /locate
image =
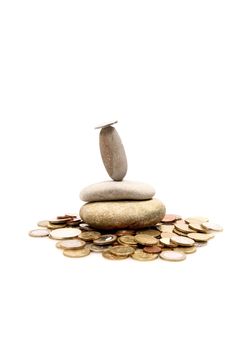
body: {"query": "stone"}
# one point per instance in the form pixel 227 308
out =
pixel 117 190
pixel 113 153
pixel 122 214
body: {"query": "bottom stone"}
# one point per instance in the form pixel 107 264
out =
pixel 123 214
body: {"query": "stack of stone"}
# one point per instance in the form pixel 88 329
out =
pixel 118 204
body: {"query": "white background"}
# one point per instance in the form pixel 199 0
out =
pixel 164 70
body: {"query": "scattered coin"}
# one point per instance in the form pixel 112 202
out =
pixel 120 233
pixel 98 248
pixel 166 228
pixel 140 255
pixel 77 253
pixel 183 227
pixel 167 234
pixel 71 244
pixel 172 255
pixel 39 233
pixel 211 226
pixel 120 250
pixel 169 218
pixel 196 226
pixel 54 227
pixel 108 255
pixel 88 236
pixel 145 239
pixel 105 240
pixel 66 216
pixel 167 242
pixel 183 241
pixel 43 223
pixel 59 221
pixel 186 250
pixel 179 232
pixel 127 240
pixel 151 232
pixel 74 222
pixel 197 219
pixel 64 233
pixel 201 237
pixel 152 249
pixel 105 125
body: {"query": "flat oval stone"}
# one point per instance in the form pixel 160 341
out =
pixel 113 153
pixel 123 214
pixel 116 190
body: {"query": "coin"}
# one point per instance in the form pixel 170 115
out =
pixel 70 244
pixel 66 216
pixel 108 255
pixel 211 226
pixel 183 227
pixel 201 237
pixel 172 255
pixel 186 250
pixel 145 239
pixel 151 232
pixel 54 227
pixel 88 236
pixel 63 233
pixel 43 223
pixel 196 219
pixel 98 248
pixel 167 234
pixel 74 222
pixel 76 253
pixel 105 125
pixel 183 241
pixel 86 227
pixel 127 240
pixel 120 233
pixel 167 242
pixel 152 249
pixel 59 221
pixel 180 233
pixel 105 239
pixel 169 218
pixel 39 233
pixel 121 250
pixel 140 255
pixel 197 227
pixel 166 228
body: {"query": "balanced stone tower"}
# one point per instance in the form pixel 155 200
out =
pixel 118 204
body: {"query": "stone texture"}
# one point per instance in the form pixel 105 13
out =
pixel 113 153
pixel 122 214
pixel 117 190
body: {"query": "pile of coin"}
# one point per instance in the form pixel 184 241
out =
pixel 171 239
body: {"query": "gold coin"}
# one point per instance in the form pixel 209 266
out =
pixel 71 244
pixel 54 227
pixel 151 232
pixel 108 255
pixel 88 236
pixel 43 223
pixel 105 239
pixel 98 248
pixel 197 219
pixel 167 234
pixel 140 255
pixel 145 239
pixel 39 233
pixel 211 226
pixel 166 228
pixel 127 240
pixel 76 253
pixel 172 255
pixel 186 250
pixel 179 232
pixel 167 242
pixel 183 227
pixel 122 250
pixel 196 226
pixel 201 237
pixel 183 241
pixel 64 233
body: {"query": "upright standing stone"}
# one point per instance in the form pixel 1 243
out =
pixel 113 153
